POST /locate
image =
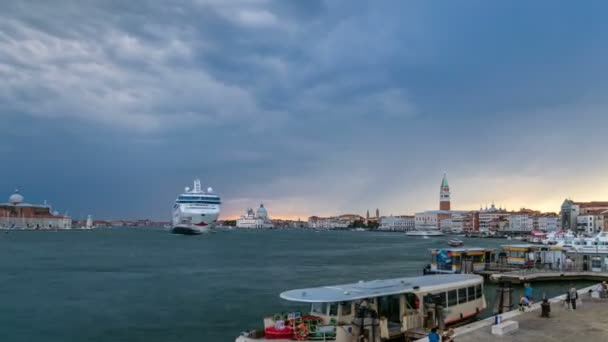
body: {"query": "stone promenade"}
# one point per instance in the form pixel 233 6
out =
pixel 588 323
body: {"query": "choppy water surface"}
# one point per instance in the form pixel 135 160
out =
pixel 149 285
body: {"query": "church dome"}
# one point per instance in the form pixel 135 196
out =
pixel 261 212
pixel 15 198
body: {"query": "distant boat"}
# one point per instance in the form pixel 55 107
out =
pixel 455 242
pixel 424 233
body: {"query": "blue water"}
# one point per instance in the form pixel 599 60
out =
pixel 148 285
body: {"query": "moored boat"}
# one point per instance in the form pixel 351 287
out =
pixel 388 309
pixel 460 260
pixel 455 242
pixel 424 233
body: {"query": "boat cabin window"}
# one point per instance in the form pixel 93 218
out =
pixel 410 301
pixel 457 260
pixel 436 298
pixel 452 298
pixel 345 308
pixel 319 308
pixel 333 309
pixel 462 295
pixel 471 292
pixel 478 291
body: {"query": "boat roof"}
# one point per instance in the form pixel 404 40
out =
pixel 521 246
pixel 463 249
pixel 374 288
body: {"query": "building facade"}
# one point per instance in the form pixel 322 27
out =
pixel 17 214
pixel 570 211
pixel 397 223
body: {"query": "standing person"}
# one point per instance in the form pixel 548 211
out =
pixel 558 264
pixel 567 301
pixel 528 292
pixel 434 336
pixel 573 297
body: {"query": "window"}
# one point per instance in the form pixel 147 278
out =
pixel 345 308
pixel 462 295
pixel 596 262
pixel 441 299
pixel 319 308
pixel 471 293
pixel 333 309
pixel 452 298
pixel 478 291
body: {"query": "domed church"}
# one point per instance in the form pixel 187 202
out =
pixel 258 220
pixel 17 214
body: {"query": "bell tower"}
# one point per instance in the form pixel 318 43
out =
pixel 444 194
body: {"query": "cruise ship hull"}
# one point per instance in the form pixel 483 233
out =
pixel 189 230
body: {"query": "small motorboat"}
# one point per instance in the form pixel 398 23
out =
pixel 455 242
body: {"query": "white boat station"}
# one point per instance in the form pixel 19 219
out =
pixel 380 310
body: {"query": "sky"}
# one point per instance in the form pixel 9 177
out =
pixel 110 108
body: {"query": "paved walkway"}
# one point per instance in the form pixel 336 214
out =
pixel 587 323
pixel 518 277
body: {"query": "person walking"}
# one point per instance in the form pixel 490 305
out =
pixel 573 297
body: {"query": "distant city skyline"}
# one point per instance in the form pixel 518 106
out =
pixel 311 107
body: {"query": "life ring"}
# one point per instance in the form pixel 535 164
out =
pixel 301 332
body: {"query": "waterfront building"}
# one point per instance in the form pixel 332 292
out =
pixel 470 222
pixel 342 221
pixel 397 223
pixel 259 219
pixel 522 221
pixel 490 218
pixel 18 214
pixel 592 223
pixel 570 210
pixel 547 222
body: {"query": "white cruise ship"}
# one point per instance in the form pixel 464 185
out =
pixel 195 211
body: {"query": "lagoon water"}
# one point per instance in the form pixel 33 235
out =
pixel 148 285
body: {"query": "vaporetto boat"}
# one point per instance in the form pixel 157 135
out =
pixel 195 211
pixel 424 233
pixel 379 309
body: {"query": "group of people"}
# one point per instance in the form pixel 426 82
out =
pixel 447 336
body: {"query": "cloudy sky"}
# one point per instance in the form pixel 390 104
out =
pixel 111 108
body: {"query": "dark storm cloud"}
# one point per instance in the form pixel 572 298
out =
pixel 312 106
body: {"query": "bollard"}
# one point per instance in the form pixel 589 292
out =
pixel 545 308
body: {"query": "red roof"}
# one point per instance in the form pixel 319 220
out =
pixel 592 204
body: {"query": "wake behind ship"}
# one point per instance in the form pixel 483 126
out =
pixel 195 211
